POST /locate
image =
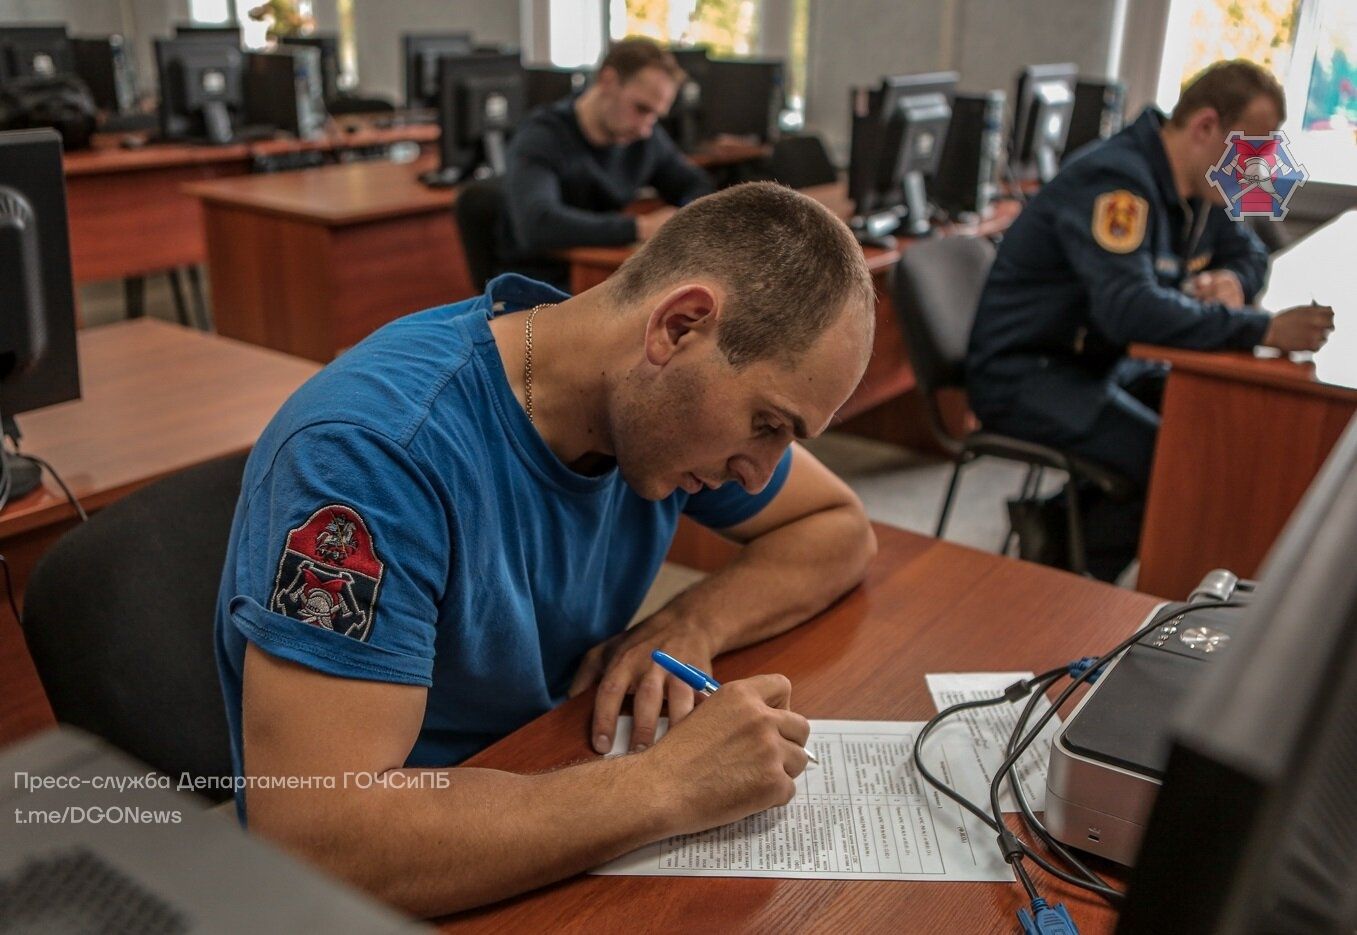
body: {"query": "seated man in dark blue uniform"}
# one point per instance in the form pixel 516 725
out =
pixel 1129 243
pixel 445 532
pixel 574 166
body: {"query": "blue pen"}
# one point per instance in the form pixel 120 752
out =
pixel 697 680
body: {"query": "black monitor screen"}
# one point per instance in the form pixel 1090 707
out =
pixel 37 310
pixel 1254 831
pixel 1041 117
pixel 421 53
pixel 481 99
pixel 742 97
pixel 898 129
pixel 35 51
pixel 546 86
pixel 196 75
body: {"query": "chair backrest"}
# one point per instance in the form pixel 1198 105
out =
pixel 479 209
pixel 118 619
pixel 937 290
pixel 801 161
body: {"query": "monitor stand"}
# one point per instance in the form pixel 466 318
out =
pixel 916 222
pixel 446 177
pixel 876 229
pixel 217 123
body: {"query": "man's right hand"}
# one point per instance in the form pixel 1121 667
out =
pixel 738 753
pixel 1303 328
pixel 647 224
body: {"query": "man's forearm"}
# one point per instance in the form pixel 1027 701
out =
pixel 781 579
pixel 485 835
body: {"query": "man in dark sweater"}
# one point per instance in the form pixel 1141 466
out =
pixel 574 166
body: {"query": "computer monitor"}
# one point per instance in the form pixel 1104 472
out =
pixel 420 52
pixel 328 46
pixel 35 51
pixel 37 307
pixel 201 88
pixel 480 100
pixel 284 90
pixel 1041 119
pixel 104 63
pixel 1254 831
pixel 227 33
pixel 898 134
pixel 545 86
pixel 686 122
pixel 1098 112
pixel 742 97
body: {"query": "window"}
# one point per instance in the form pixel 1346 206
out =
pixel 1310 45
pixel 254 34
pixel 729 27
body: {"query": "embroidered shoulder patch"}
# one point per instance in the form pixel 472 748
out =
pixel 329 573
pixel 1119 220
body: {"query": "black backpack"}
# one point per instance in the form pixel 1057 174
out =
pixel 63 102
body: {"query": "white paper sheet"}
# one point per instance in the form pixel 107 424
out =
pixel 986 730
pixel 862 814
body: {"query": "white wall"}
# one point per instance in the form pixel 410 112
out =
pixel 379 24
pixel 855 42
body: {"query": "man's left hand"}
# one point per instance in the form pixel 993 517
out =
pixel 1218 285
pixel 622 666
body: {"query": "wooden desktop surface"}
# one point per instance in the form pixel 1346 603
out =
pixel 926 606
pixel 332 196
pixel 155 398
pixel 128 216
pixel 1243 435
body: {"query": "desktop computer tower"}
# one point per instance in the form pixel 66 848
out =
pixel 106 66
pixel 967 178
pixel 285 89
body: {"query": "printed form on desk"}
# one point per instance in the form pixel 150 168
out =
pixel 864 813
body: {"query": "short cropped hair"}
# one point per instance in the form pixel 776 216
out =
pixel 629 56
pixel 1229 87
pixel 790 267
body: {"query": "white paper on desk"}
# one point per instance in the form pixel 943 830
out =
pixel 862 814
pixel 986 731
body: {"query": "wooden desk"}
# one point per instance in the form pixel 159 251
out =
pixel 129 216
pixel 156 398
pixel 889 374
pixel 312 262
pixel 927 606
pixel 1242 435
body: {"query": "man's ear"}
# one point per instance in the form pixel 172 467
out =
pixel 684 314
pixel 1206 125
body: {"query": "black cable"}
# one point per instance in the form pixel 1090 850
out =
pixel 1040 682
pixel 1029 818
pixel 1169 612
pixel 9 592
pixel 79 510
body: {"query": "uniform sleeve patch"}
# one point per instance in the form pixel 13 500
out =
pixel 1119 220
pixel 329 573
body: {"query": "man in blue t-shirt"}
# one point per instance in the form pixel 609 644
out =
pixel 444 533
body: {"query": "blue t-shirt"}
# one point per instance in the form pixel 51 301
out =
pixel 400 520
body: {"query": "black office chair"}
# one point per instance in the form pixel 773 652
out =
pixel 479 210
pixel 801 161
pixel 937 290
pixel 118 619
